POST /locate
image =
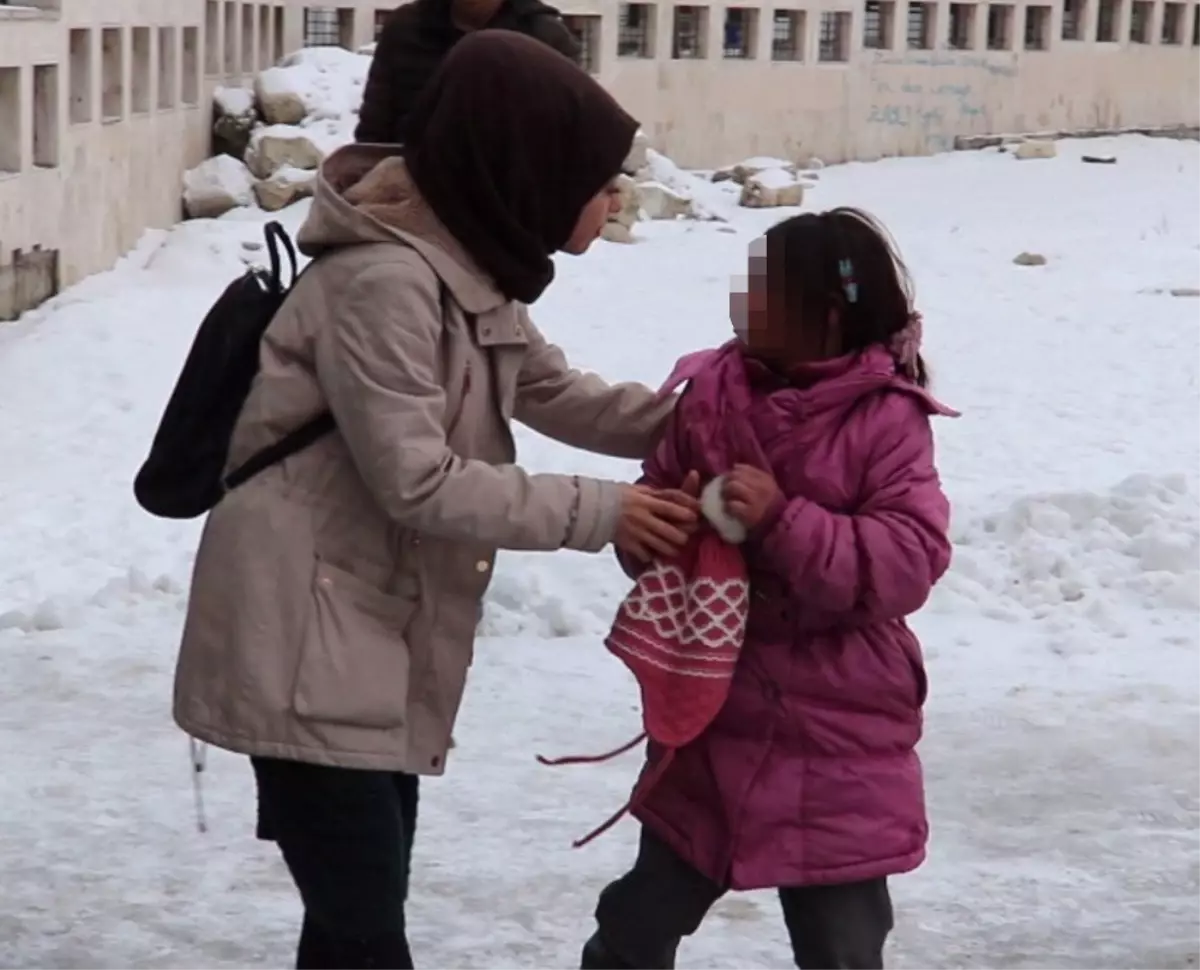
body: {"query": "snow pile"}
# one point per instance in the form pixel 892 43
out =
pixel 328 80
pixel 217 185
pixel 1084 554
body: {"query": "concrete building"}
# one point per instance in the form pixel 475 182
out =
pixel 104 103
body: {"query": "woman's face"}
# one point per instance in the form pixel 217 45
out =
pixel 593 216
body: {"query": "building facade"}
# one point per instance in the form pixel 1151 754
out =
pixel 105 103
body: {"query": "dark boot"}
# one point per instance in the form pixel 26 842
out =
pixel 597 956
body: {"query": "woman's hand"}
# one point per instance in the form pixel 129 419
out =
pixel 749 494
pixel 657 522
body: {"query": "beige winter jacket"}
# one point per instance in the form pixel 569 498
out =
pixel 335 597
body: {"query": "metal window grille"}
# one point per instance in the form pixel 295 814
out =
pixel 633 30
pixel 833 36
pixel 321 27
pixel 787 35
pixel 687 42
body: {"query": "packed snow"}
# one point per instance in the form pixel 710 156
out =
pixel 1061 749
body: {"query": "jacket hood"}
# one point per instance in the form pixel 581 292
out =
pixel 365 195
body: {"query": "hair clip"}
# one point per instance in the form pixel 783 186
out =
pixel 846 270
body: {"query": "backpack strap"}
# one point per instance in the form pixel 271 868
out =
pixel 315 427
pixel 277 237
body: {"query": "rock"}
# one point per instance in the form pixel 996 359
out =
pixel 275 146
pixel 617 233
pixel 279 92
pixel 216 186
pixel 770 188
pixel 284 187
pixel 1100 159
pixel 659 202
pixel 1184 291
pixel 631 205
pixel 1035 148
pixel 753 166
pixel 636 160
pixel 1029 259
pixel 234 118
pixel 812 163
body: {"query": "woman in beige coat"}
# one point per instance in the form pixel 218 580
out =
pixel 335 596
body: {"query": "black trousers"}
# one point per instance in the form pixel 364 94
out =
pixel 346 837
pixel 643 916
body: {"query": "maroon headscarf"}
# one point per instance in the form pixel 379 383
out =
pixel 507 143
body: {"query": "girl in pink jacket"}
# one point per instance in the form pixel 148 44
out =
pixel 807 781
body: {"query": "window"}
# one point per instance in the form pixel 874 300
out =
pixel 381 17
pixel 787 35
pixel 277 35
pixel 45 115
pixel 834 40
pixel 962 26
pixel 689 39
pixel 112 69
pixel 139 94
pixel 10 119
pixel 212 37
pixel 80 53
pixel 1037 28
pixel 878 19
pixel 1108 16
pixel 1172 24
pixel 1196 25
pixel 1074 19
pixel 320 27
pixel 264 37
pixel 1000 27
pixel 190 88
pixel 635 30
pixel 741 33
pixel 229 43
pixel 1139 21
pixel 921 22
pixel 168 68
pixel 586 31
pixel 345 20
pixel 247 38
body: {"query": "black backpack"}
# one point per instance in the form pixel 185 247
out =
pixel 183 476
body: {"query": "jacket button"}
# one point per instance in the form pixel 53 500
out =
pixel 434 761
pixel 482 566
pixel 520 331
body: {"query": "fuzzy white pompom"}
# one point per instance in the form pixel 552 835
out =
pixel 713 507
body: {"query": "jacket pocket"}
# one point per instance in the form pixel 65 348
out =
pixel 354 661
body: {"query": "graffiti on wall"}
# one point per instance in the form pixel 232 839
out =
pixel 929 97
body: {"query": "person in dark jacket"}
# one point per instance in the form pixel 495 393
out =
pixel 419 34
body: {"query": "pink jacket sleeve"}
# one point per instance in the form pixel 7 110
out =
pixel 881 561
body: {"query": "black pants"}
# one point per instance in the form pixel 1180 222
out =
pixel 642 917
pixel 347 838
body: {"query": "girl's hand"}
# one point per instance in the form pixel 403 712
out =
pixel 749 494
pixel 655 522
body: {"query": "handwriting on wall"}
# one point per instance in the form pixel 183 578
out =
pixel 913 93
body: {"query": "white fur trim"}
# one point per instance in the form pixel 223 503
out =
pixel 713 507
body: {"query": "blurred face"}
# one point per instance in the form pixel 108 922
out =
pixel 749 302
pixel 593 216
pixel 769 327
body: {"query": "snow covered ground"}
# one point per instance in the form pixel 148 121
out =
pixel 1062 751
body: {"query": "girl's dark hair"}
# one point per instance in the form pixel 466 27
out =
pixel 809 251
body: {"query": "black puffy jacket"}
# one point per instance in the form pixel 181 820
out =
pixel 414 40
